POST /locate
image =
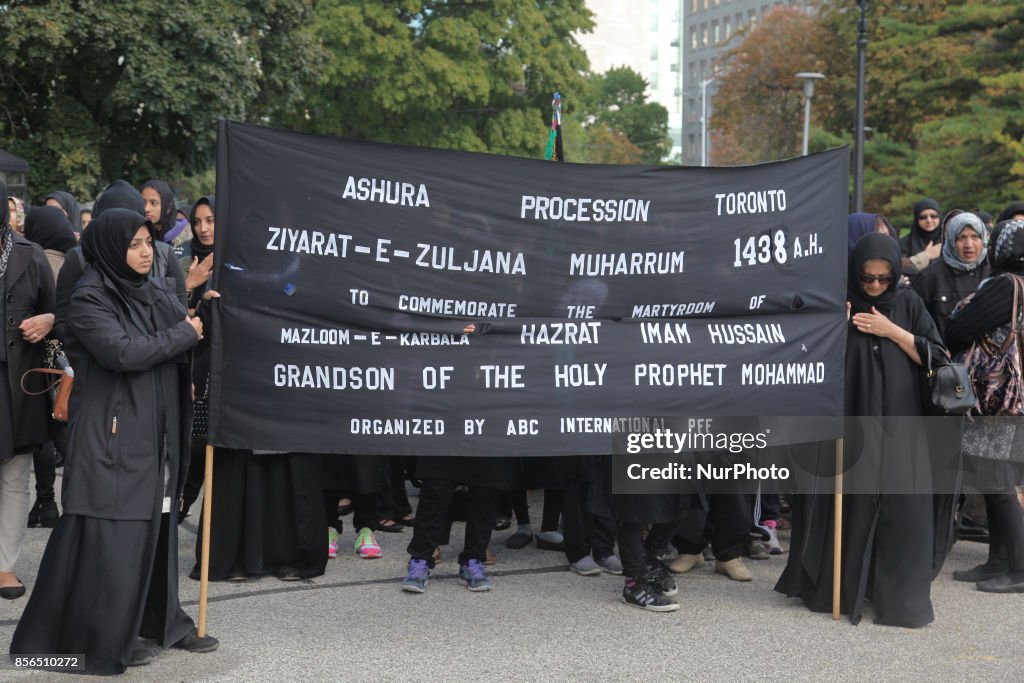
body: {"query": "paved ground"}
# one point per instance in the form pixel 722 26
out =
pixel 542 622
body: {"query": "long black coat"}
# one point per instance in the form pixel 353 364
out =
pixel 113 469
pixel 27 291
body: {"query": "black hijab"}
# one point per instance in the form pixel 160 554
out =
pixel 48 227
pixel 870 247
pixel 167 208
pixel 70 205
pixel 200 250
pixel 119 195
pixel 858 225
pixel 1010 211
pixel 919 239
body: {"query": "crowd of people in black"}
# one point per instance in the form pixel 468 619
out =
pixel 124 288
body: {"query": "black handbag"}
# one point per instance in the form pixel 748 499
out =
pixel 947 387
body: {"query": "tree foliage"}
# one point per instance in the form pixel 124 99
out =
pixel 91 91
pixel 467 75
pixel 625 127
pixel 944 98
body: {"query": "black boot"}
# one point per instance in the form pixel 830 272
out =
pixel 44 513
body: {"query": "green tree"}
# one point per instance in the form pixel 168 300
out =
pixel 617 103
pixel 466 75
pixel 93 91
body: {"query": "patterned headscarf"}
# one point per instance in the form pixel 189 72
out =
pixel 1006 248
pixel 956 223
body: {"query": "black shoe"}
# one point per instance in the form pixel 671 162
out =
pixel 288 574
pixel 502 522
pixel 193 643
pixel 983 572
pixel 12 592
pixel 44 514
pixel 1004 583
pixel 142 656
pixel 642 595
pixel 518 540
pixel 660 580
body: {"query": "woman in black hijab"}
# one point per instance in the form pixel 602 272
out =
pixel 110 566
pixel 890 547
pixel 924 242
pixel 159 199
pixel 987 316
pixel 69 205
pixel 48 227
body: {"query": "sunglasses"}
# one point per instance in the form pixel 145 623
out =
pixel 868 279
pixel 930 216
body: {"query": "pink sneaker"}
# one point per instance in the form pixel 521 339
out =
pixel 366 545
pixel 332 543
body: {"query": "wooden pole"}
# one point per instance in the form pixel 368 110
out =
pixel 837 548
pixel 204 562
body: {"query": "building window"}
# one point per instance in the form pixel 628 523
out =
pixel 693 6
pixel 703 70
pixel 692 145
pixel 739 21
pixel 703 35
pixel 654 22
pixel 693 73
pixel 654 53
pixel 652 81
pixel 716 33
pixel 728 28
pixel 693 37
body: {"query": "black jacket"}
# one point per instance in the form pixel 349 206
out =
pixel 125 380
pixel 942 287
pixel 27 291
pixel 164 265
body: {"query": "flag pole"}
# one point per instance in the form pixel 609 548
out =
pixel 204 562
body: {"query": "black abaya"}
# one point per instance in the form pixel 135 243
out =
pixel 890 540
pixel 267 515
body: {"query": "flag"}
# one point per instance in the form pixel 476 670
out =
pixel 554 150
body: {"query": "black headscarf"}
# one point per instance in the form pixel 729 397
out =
pixel 119 195
pixel 871 247
pixel 1006 247
pixel 105 245
pixel 48 227
pixel 167 208
pixel 919 239
pixel 1010 211
pixel 70 205
pixel 200 250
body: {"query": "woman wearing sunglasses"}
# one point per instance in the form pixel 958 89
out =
pixel 890 546
pixel 923 245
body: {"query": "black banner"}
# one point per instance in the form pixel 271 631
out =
pixel 398 300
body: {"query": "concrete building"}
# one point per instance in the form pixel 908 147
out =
pixel 674 44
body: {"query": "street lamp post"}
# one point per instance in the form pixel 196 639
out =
pixel 808 78
pixel 704 120
pixel 862 46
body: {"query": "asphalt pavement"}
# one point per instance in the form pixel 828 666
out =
pixel 542 622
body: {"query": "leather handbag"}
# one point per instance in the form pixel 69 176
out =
pixel 947 389
pixel 997 368
pixel 60 388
